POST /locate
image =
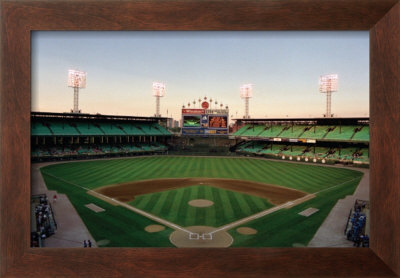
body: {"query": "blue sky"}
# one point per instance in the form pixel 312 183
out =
pixel 121 66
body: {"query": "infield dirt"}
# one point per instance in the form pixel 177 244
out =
pixel 126 192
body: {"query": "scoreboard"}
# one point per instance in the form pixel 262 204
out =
pixel 205 121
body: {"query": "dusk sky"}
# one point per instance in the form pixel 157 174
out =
pixel 121 67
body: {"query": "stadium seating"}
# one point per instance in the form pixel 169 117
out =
pixel 163 130
pixel 292 131
pixel 314 132
pixel 241 130
pixel 63 129
pixel 149 129
pixel 341 133
pixel 96 150
pixel 271 131
pixel 362 155
pixel 111 129
pixel 293 150
pixel 362 134
pixel 253 130
pixel 131 129
pixel 319 151
pixel 272 149
pixel 40 129
pixel 88 129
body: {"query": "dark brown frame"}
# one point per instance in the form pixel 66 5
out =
pixel 380 17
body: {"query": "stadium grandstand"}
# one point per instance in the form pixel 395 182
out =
pixel 58 136
pixel 321 140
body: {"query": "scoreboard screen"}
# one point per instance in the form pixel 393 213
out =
pixel 191 121
pixel 205 122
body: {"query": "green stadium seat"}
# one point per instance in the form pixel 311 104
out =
pixel 292 131
pixel 63 129
pixel 271 131
pixel 241 130
pixel 111 129
pixel 315 132
pixel 341 133
pixel 40 129
pixel 253 130
pixel 162 129
pixel 86 128
pixel 362 135
pixel 131 129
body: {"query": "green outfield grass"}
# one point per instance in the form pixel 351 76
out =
pixel 125 228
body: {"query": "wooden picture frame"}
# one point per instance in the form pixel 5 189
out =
pixel 19 18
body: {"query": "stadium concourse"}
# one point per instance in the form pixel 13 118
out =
pixel 335 142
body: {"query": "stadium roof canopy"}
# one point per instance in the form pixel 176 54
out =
pixel 318 121
pixel 79 116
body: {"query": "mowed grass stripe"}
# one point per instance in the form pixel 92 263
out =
pixel 218 203
pixel 147 171
pixel 103 172
pixel 187 171
pixel 181 163
pixel 211 211
pixel 141 201
pixel 184 214
pixel 115 174
pixel 193 211
pixel 141 168
pixel 154 199
pixel 242 170
pixel 258 169
pixel 202 192
pixel 174 209
pixel 238 210
pixel 228 209
pixel 250 200
pixel 227 167
pixel 160 203
pixel 160 169
pixel 243 204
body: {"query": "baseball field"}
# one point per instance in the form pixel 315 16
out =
pixel 167 201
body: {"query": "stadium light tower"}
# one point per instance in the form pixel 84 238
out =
pixel 76 80
pixel 158 92
pixel 328 84
pixel 246 93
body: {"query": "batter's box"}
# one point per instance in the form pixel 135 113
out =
pixel 207 236
pixel 194 236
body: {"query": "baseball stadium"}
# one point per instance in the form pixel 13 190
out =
pixel 106 174
pixel 133 183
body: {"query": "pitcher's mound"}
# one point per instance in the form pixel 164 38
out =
pixel 246 231
pixel 154 228
pixel 201 203
pixel 201 237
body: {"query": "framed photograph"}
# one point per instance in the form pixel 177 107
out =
pixel 21 19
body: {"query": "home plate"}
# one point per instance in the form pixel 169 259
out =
pixel 308 212
pixel 94 207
